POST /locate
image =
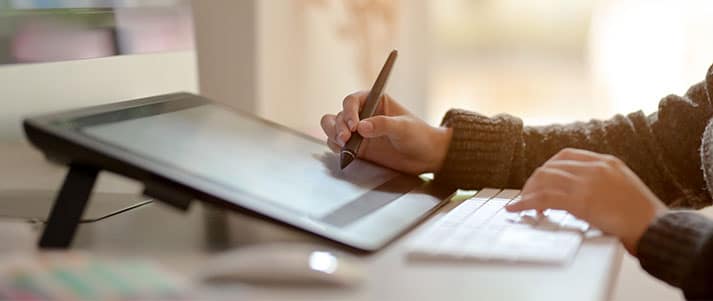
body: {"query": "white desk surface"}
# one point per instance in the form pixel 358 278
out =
pixel 392 276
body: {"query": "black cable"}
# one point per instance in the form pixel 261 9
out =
pixel 134 206
pixel 85 221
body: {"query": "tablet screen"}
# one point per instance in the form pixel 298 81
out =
pixel 248 155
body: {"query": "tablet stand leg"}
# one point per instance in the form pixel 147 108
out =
pixel 217 233
pixel 68 207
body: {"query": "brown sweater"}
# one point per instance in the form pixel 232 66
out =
pixel 664 149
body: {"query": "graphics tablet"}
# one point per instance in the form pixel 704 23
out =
pixel 210 152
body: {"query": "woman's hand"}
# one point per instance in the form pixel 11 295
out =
pixel 599 189
pixel 393 138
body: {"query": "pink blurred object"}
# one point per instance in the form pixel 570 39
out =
pixel 52 41
pixel 154 29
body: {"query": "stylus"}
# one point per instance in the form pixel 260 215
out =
pixel 351 148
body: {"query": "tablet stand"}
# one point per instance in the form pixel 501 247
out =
pixel 72 199
pixel 68 207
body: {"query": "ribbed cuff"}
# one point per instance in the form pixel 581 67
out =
pixel 481 150
pixel 671 247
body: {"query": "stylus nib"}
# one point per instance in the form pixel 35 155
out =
pixel 345 159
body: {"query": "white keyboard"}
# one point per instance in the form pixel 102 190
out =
pixel 481 229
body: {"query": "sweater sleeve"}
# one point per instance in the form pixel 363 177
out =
pixel 662 148
pixel 678 249
pixel 482 151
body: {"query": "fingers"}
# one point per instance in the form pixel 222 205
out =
pixel 338 128
pixel 333 146
pixel 552 185
pixel 570 166
pixel 328 123
pixel 550 179
pixel 342 132
pixel 329 126
pixel 562 181
pixel 574 154
pixel 351 106
pixel 540 201
pixel 571 180
pixel 547 188
pixel 381 125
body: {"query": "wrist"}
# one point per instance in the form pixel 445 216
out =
pixel 631 241
pixel 442 139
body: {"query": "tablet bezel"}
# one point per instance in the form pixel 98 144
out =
pixel 60 140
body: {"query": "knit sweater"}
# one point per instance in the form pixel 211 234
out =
pixel 670 150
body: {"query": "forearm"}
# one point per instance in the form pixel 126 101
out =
pixel 662 149
pixel 629 138
pixel 500 152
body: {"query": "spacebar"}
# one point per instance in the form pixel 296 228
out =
pixel 372 200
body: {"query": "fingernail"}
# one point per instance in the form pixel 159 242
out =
pixel 352 125
pixel 512 205
pixel 367 127
pixel 340 138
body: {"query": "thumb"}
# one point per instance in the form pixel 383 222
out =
pixel 381 125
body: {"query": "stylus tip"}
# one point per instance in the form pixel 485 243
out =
pixel 345 159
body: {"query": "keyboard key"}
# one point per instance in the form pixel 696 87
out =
pixel 508 194
pixel 466 208
pixel 487 193
pixel 574 224
pixel 556 216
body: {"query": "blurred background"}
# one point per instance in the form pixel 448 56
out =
pixel 44 31
pixel 546 61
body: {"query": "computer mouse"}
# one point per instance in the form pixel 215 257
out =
pixel 284 264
